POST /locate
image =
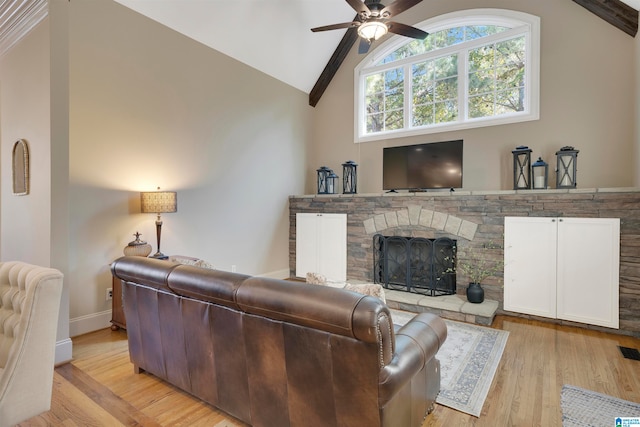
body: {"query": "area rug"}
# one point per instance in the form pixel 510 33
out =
pixel 585 408
pixel 469 359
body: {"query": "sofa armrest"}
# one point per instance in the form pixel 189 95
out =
pixel 417 342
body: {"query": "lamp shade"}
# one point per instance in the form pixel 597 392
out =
pixel 158 201
pixel 372 30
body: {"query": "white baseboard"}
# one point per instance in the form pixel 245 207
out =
pixel 278 274
pixel 64 351
pixel 89 323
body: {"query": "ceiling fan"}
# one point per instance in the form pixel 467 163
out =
pixel 373 22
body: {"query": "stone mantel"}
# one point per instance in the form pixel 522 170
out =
pixel 475 218
pixel 448 193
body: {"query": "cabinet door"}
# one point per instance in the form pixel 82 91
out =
pixel 306 244
pixel 530 265
pixel 332 245
pixel 321 245
pixel 588 270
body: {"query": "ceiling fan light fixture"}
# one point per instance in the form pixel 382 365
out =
pixel 372 30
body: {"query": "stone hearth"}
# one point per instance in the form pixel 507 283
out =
pixel 453 307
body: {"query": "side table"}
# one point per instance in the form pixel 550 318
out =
pixel 117 312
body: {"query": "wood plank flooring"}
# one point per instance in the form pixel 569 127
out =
pixel 99 387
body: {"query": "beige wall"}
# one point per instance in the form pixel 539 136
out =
pixel 27 227
pixel 24 114
pixel 150 107
pixel 134 106
pixel 587 72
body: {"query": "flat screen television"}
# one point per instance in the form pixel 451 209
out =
pixel 423 166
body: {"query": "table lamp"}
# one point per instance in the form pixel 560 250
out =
pixel 158 202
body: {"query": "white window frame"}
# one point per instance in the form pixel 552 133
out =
pixel 520 23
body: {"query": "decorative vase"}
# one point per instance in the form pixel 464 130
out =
pixel 475 293
pixel 137 247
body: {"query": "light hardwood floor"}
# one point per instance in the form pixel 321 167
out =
pixel 99 387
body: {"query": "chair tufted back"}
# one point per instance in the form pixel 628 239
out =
pixel 29 306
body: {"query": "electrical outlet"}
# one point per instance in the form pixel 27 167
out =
pixel 233 268
pixel 109 294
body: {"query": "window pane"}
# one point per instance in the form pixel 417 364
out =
pixel 447 89
pixel 433 82
pixel 446 38
pixel 480 106
pixel 446 111
pixel 509 77
pixel 481 58
pixel 424 93
pixel 374 122
pixel 496 80
pixel 394 120
pixel 510 51
pixel 473 32
pixel 446 66
pixel 481 82
pixel 423 115
pixel 509 101
pixel 394 101
pixel 384 100
pixel 374 83
pixel 375 103
pixel 437 40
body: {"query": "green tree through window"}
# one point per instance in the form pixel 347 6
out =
pixel 457 76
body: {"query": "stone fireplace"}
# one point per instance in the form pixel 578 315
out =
pixel 475 219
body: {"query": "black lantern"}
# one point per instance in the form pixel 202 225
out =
pixel 323 175
pixel 332 182
pixel 349 177
pixel 567 167
pixel 521 168
pixel 540 173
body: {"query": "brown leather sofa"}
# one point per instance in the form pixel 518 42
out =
pixel 279 353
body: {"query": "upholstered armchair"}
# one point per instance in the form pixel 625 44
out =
pixel 29 306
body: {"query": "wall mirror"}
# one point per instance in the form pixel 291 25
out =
pixel 20 168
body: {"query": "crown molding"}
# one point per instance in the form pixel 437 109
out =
pixel 17 19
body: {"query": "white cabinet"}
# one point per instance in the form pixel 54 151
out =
pixel 321 245
pixel 565 268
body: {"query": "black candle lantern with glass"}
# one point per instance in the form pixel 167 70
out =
pixel 567 167
pixel 332 182
pixel 323 175
pixel 349 177
pixel 521 168
pixel 327 181
pixel 540 173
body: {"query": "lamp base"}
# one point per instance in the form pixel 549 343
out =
pixel 159 255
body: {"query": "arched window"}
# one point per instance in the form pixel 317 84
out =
pixel 476 68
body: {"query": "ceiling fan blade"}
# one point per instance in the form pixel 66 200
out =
pixel 399 6
pixel 359 6
pixel 406 30
pixel 364 46
pixel 336 26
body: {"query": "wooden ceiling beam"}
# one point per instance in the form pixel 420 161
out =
pixel 330 70
pixel 615 12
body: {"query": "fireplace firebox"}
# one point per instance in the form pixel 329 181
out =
pixel 415 264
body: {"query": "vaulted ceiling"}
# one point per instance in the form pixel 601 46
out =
pixel 280 42
pixel 272 36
